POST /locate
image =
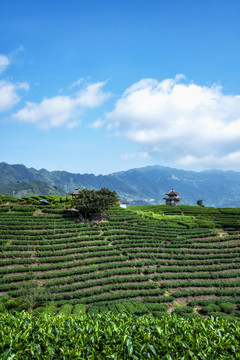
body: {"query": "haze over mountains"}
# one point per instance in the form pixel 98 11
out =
pixel 145 185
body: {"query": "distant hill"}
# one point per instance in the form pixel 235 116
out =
pixel 145 185
pixel 30 188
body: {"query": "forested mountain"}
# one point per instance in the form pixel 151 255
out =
pixel 30 188
pixel 141 186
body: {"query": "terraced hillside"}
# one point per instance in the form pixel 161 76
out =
pixel 187 256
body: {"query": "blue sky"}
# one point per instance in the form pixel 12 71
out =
pixel 102 86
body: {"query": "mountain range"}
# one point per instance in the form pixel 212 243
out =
pixel 140 186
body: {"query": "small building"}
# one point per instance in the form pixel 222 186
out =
pixel 74 192
pixel 172 198
pixel 124 204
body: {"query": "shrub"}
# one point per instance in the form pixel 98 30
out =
pixel 189 316
pixel 219 314
pixel 124 337
pixel 66 309
pixel 157 307
pixel 79 309
pixel 208 309
pixel 2 308
pixel 50 309
pixel 13 304
pixel 121 308
pixel 183 310
pixel 227 307
pixel 160 314
pixel 93 309
pixel 38 311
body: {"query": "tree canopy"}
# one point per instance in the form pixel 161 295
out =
pixel 32 293
pixel 94 201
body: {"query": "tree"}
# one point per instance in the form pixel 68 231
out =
pixel 107 198
pixel 94 201
pixel 200 202
pixel 32 293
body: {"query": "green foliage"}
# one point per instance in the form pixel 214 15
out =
pixel 79 309
pixel 94 201
pixel 109 266
pixel 183 310
pixel 2 308
pixel 208 309
pixel 177 220
pixel 227 307
pixel 32 293
pixel 157 307
pixel 66 309
pixel 6 198
pixel 29 188
pixel 110 336
pixel 15 304
pixel 200 202
pixel 50 309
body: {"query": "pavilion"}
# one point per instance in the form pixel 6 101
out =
pixel 172 198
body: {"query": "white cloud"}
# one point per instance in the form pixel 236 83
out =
pixel 180 123
pixel 144 154
pixel 76 83
pixel 4 62
pixel 9 91
pixel 92 95
pixel 97 124
pixel 62 110
pixel 229 161
pixel 9 94
pixel 126 155
pixel 73 124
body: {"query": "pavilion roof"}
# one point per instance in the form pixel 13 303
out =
pixel 172 193
pixel 172 198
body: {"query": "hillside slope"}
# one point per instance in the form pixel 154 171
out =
pixel 129 257
pixel 30 188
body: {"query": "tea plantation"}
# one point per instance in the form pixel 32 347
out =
pixel 160 256
pixel 150 261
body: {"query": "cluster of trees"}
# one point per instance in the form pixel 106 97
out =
pixel 89 202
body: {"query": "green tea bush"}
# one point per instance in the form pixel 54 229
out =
pixel 227 307
pixel 183 310
pixel 157 307
pixel 121 308
pixel 2 308
pixel 208 309
pixel 93 309
pixel 219 314
pixel 66 309
pixel 13 304
pixel 38 311
pixel 161 314
pixel 49 309
pixel 110 336
pixel 79 309
pixel 190 316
